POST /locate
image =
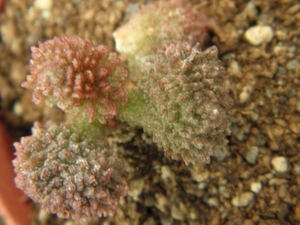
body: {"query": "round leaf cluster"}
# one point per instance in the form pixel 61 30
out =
pixel 188 102
pixel 78 77
pixel 68 172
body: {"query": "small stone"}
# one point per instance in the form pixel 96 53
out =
pixel 281 71
pixel 18 109
pixel 280 164
pixel 177 213
pixel 43 4
pixel 252 154
pixel 281 35
pixel 243 199
pixel 69 222
pixel 297 169
pixel 293 64
pixel 43 216
pixel 167 173
pixel 166 220
pixel 291 51
pixel 161 202
pixel 297 211
pixel 193 213
pixel 250 10
pixel 149 201
pixel 221 153
pixel 213 202
pixel 136 187
pixel 233 67
pixel 259 34
pixel 277 181
pixel 200 176
pixel 244 96
pixel 256 187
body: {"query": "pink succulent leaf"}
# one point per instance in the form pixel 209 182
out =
pixel 76 76
pixel 71 174
pixel 187 100
pixel 158 24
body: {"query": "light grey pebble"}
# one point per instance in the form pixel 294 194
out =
pixel 293 64
pixel 281 71
pixel 251 155
pixel 221 153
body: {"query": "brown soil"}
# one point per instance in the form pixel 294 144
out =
pixel 254 180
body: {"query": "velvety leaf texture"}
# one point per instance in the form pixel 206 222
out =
pixel 188 102
pixel 68 172
pixel 157 24
pixel 78 77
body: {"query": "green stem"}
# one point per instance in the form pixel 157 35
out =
pixel 135 111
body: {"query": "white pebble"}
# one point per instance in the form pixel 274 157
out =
pixel 280 164
pixel 256 187
pixel 43 4
pixel 259 34
pixel 243 199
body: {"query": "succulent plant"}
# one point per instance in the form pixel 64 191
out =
pixel 70 171
pixel 178 97
pixel 158 24
pixel 78 77
pixel 183 102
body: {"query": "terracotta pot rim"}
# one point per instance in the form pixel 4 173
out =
pixel 14 205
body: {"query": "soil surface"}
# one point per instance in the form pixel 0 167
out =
pixel 254 180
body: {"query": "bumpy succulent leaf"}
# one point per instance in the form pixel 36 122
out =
pixel 187 101
pixel 78 77
pixel 69 172
pixel 158 24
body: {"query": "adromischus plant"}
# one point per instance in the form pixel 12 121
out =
pixel 78 77
pixel 182 102
pixel 159 24
pixel 70 171
pixel 179 98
